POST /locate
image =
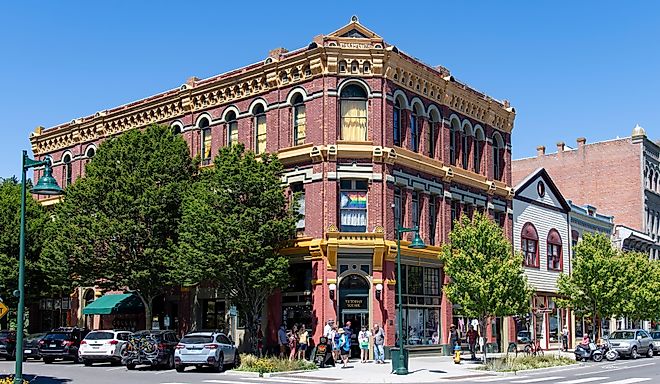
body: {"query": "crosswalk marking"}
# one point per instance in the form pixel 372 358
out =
pixel 498 378
pixel 630 380
pixel 538 380
pixel 585 380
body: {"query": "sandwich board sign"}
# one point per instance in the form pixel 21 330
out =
pixel 3 310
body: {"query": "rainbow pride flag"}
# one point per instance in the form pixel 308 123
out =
pixel 354 200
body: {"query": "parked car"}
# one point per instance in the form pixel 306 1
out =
pixel 31 345
pixel 632 343
pixel 656 341
pixel 103 346
pixel 524 337
pixel 155 348
pixel 62 343
pixel 199 349
pixel 8 344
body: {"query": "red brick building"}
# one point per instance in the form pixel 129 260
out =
pixel 621 177
pixel 371 137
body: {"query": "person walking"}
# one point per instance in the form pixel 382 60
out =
pixel 302 342
pixel 363 340
pixel 282 340
pixel 293 342
pixel 344 346
pixel 564 338
pixel 453 338
pixel 472 341
pixel 379 342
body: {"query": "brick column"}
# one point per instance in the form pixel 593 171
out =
pixel 422 131
pixel 488 159
pixel 387 304
pixel 406 202
pixel 446 314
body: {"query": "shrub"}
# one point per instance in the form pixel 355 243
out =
pixel 10 380
pixel 520 363
pixel 250 363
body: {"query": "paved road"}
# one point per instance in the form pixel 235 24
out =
pixel 619 372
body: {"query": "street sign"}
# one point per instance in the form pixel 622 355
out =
pixel 3 310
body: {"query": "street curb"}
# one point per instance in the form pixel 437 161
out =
pixel 547 369
pixel 268 374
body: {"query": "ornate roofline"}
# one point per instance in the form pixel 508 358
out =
pixel 281 68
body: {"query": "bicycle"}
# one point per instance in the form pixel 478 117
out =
pixel 533 348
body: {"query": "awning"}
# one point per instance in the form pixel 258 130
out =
pixel 114 304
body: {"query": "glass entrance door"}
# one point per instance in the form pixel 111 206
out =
pixel 354 306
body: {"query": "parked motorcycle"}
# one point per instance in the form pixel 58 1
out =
pixel 611 354
pixel 588 352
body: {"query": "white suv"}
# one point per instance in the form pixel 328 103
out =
pixel 103 346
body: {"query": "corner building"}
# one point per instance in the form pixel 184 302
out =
pixel 372 138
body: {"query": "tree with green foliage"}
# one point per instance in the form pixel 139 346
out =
pixel 235 220
pixel 486 277
pixel 641 282
pixel 38 275
pixel 597 285
pixel 119 225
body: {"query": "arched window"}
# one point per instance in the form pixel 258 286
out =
pixel 67 170
pixel 431 135
pixel 176 129
pixel 466 141
pixel 396 118
pixel 478 147
pixel 498 156
pixel 353 107
pixel 259 129
pixel 554 251
pixel 90 153
pixel 414 128
pixel 299 120
pixel 454 131
pixel 206 141
pixel 530 246
pixel 232 128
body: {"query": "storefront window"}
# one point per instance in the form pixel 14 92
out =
pixel 297 297
pixel 213 314
pixel 421 303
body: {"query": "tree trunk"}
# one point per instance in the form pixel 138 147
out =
pixel 147 302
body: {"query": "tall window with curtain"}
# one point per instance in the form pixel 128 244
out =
pixel 414 130
pixel 530 246
pixel 232 128
pixel 259 129
pixel 299 192
pixel 454 130
pixel 554 251
pixel 353 205
pixel 206 141
pixel 67 170
pixel 396 123
pixel 433 219
pixel 465 148
pixel 415 209
pixel 498 157
pixel 299 120
pixel 353 106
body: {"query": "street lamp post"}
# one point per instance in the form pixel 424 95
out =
pixel 417 243
pixel 45 186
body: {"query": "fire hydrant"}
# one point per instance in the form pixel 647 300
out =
pixel 457 354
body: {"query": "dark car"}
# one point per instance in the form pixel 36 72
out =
pixel 8 344
pixel 62 343
pixel 155 348
pixel 31 345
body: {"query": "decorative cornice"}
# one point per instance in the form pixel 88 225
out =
pixel 323 57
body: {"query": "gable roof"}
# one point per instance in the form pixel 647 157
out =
pixel 543 174
pixel 355 30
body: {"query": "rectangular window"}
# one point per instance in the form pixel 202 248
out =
pixel 213 314
pixel 498 217
pixel 414 137
pixel 452 147
pixel 477 156
pixel 433 219
pixel 554 257
pixel 454 212
pixel 353 205
pixel 465 150
pixel 299 190
pixel 497 169
pixel 530 253
pixel 397 126
pixel 415 209
pixel 432 281
pixel 232 128
pixel 206 146
pixel 431 139
pixel 354 120
pixel 299 124
pixel 260 121
pixel 398 208
pixel 415 280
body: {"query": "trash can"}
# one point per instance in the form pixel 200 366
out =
pixel 394 352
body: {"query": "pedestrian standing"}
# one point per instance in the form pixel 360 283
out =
pixel 453 338
pixel 344 346
pixel 472 341
pixel 328 328
pixel 363 340
pixel 282 340
pixel 379 342
pixel 564 338
pixel 335 342
pixel 260 341
pixel 302 342
pixel 293 342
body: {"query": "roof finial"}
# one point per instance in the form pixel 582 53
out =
pixel 638 131
pixel 354 19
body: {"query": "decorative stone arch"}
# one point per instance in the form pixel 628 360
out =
pixel 434 113
pixel 204 115
pixel 418 106
pixel 357 81
pixel 255 102
pixel 403 99
pixel 455 123
pixel 498 140
pixel 231 108
pixel 177 126
pixel 466 128
pixel 90 147
pixel 65 154
pixel 295 91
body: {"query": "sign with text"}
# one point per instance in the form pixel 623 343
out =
pixel 355 302
pixel 3 310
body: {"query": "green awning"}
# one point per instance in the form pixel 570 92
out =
pixel 114 304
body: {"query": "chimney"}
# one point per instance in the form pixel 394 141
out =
pixel 560 148
pixel 540 150
pixel 581 141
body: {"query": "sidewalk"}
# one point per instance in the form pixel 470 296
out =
pixel 423 369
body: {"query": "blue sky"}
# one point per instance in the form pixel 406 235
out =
pixel 570 68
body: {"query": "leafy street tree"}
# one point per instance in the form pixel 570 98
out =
pixel 37 222
pixel 641 284
pixel 118 225
pixel 235 220
pixel 487 279
pixel 597 286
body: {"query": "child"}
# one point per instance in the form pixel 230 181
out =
pixel 302 342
